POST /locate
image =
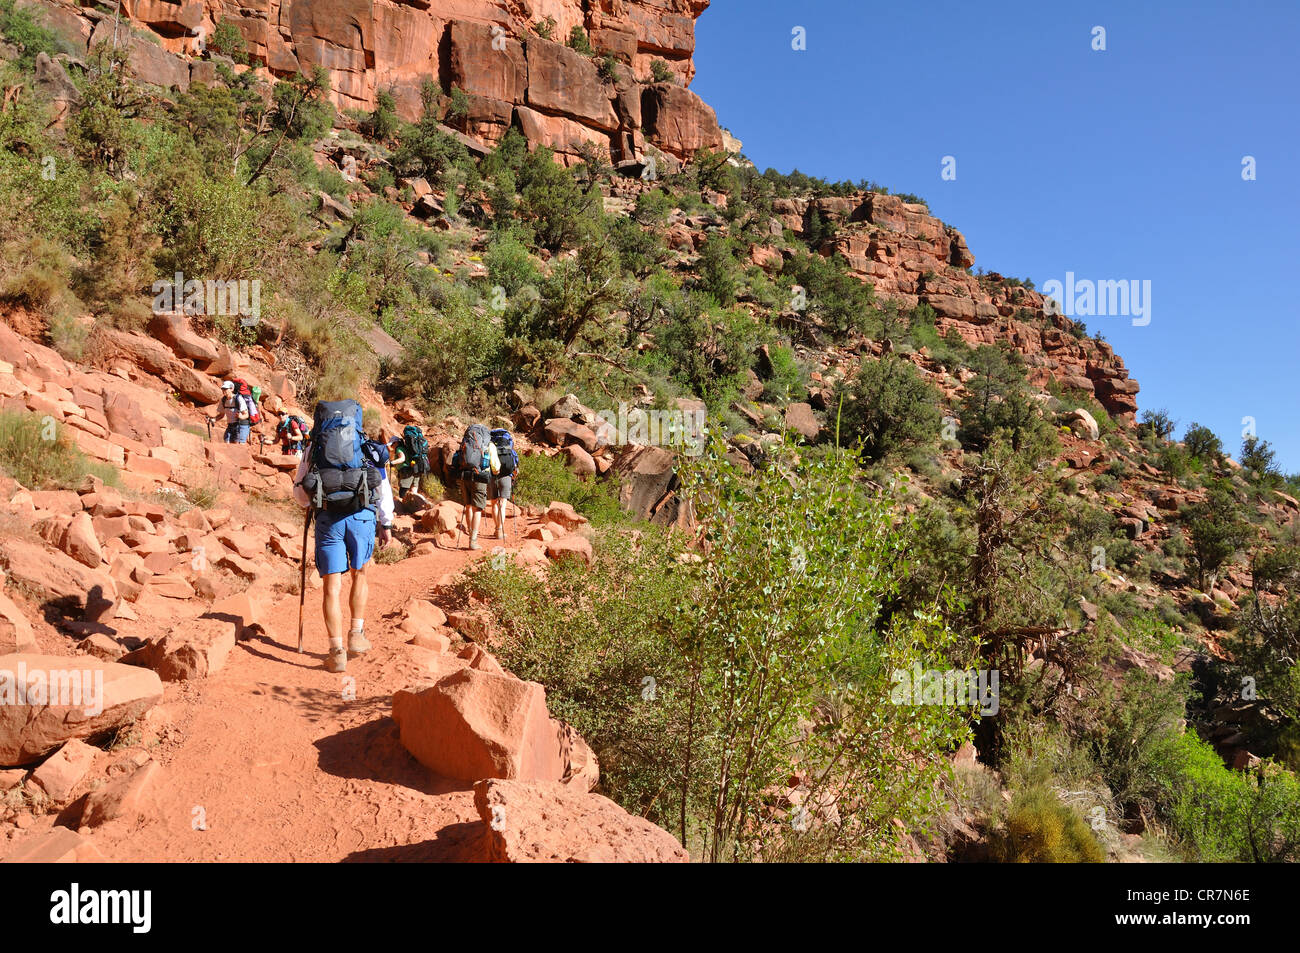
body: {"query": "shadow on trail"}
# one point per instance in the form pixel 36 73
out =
pixel 306 660
pixel 455 843
pixel 374 752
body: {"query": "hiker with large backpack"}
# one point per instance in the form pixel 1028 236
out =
pixel 342 484
pixel 502 485
pixel 476 461
pixel 239 406
pixel 292 434
pixel 410 455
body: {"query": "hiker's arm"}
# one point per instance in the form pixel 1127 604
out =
pixel 385 505
pixel 299 494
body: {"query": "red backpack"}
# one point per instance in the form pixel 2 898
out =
pixel 252 395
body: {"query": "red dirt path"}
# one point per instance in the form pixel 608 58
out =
pixel 282 768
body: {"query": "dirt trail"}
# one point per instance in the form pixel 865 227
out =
pixel 280 766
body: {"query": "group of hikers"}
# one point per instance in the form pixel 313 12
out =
pixel 342 481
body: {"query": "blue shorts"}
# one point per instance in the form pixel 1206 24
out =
pixel 237 432
pixel 344 542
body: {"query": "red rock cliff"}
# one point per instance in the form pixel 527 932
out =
pixel 488 48
pixel 910 256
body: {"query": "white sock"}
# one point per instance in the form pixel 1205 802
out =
pixel 358 625
pixel 336 643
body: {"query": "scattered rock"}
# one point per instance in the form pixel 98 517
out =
pixel 107 695
pixel 534 822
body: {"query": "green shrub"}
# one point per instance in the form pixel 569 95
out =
pixel 1217 531
pixel 510 265
pixel 543 480
pixel 787 378
pixel 694 678
pixel 888 407
pixel 227 40
pixel 1040 829
pixel 578 41
pixel 37 452
pixel 661 71
pixel 1223 815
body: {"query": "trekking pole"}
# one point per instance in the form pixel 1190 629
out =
pixel 208 421
pixel 302 580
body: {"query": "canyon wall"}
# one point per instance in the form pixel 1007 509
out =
pixel 490 49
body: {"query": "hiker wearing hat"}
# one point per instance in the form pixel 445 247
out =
pixel 343 482
pixel 238 413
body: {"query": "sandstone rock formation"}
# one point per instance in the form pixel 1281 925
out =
pixel 552 823
pixel 490 49
pixel 910 257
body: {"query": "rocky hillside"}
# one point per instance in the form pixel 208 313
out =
pixel 911 257
pixel 799 426
pixel 174 571
pixel 513 60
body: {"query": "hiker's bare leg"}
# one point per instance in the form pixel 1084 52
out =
pixel 336 659
pixel 360 592
pixel 357 642
pixel 333 584
pixel 474 518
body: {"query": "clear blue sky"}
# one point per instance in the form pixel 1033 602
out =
pixel 1116 164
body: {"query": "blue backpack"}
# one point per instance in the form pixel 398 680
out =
pixel 506 452
pixel 338 480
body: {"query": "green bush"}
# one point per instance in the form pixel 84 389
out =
pixel 543 480
pixel 1042 830
pixel 661 71
pixel 694 678
pixel 1202 444
pixel 888 407
pixel 510 265
pixel 1217 530
pixel 37 452
pixel 787 378
pixel 227 40
pixel 578 41
pixel 1223 815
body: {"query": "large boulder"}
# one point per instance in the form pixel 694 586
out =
pixel 561 431
pixel 537 822
pixel 1083 423
pixel 65 697
pixel 173 329
pixel 194 649
pixel 129 796
pixel 58 579
pixel 62 771
pixel 647 480
pixel 800 418
pixel 476 724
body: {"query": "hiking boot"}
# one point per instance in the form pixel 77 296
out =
pixel 337 660
pixel 358 644
pixel 473 542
